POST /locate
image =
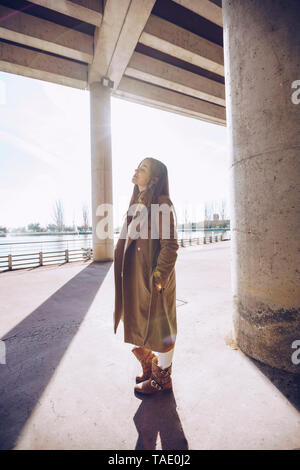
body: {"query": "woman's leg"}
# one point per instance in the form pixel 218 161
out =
pixel 145 357
pixel 165 359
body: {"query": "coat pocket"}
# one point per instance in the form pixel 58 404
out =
pixel 144 301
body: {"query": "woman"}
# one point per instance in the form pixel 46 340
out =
pixel 145 282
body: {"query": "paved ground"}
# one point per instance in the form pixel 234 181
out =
pixel 68 382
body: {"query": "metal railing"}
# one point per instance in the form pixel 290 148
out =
pixel 202 240
pixel 18 260
pixel 39 253
pixel 26 259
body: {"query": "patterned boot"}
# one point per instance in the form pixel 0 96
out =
pixel 159 381
pixel 145 357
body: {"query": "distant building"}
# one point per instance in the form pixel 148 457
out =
pixel 217 223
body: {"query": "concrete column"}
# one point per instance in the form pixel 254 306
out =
pixel 101 167
pixel 262 60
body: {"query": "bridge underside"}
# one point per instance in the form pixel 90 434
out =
pixel 164 53
pixel 169 54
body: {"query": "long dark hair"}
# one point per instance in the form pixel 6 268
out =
pixel 150 195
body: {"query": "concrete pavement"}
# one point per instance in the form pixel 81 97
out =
pixel 68 382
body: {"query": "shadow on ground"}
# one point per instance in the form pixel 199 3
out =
pixel 286 382
pixel 36 345
pixel 157 414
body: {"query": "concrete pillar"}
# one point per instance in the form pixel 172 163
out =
pixel 262 60
pixel 101 167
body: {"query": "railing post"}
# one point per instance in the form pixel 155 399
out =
pixel 216 238
pixel 182 244
pixel 10 262
pixel 204 240
pixel 210 239
pixel 67 255
pixel 190 240
pixel 41 258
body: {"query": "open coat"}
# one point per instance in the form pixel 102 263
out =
pixel 149 316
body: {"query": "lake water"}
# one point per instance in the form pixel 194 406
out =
pixel 23 245
pixel 37 243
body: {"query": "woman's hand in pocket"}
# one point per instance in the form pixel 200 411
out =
pixel 157 281
pixel 158 286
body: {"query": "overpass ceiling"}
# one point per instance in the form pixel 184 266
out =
pixel 165 53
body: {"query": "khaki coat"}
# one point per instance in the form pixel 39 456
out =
pixel 149 316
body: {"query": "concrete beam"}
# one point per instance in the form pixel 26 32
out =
pixel 116 39
pixel 45 35
pixel 205 8
pixel 169 76
pixel 168 100
pixel 135 21
pixel 178 42
pixel 69 8
pixel 106 37
pixel 21 61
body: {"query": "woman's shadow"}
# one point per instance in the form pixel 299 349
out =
pixel 157 414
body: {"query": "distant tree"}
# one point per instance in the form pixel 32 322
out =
pixel 35 227
pixel 68 228
pixel 74 224
pixel 223 209
pixel 85 217
pixel 51 228
pixel 208 210
pixel 206 214
pixel 58 215
pixel 82 228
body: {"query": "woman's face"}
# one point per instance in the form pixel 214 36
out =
pixel 142 175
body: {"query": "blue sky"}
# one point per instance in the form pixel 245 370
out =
pixel 45 153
